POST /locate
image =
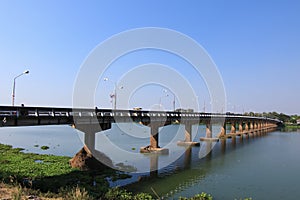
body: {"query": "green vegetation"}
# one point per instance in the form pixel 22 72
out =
pixel 52 174
pixel 118 194
pixel 45 147
pixel 202 196
pixel 287 119
pixel 51 177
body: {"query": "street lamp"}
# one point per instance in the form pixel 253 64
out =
pixel 14 86
pixel 114 95
pixel 173 102
pixel 165 95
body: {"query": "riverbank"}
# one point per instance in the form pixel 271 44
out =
pixel 35 176
pixel 292 126
pixel 52 175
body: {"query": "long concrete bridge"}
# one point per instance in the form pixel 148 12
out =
pixel 91 121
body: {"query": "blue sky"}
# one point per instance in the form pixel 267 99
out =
pixel 255 45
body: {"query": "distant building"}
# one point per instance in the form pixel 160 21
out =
pixel 298 121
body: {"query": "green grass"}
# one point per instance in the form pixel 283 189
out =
pixel 292 126
pixel 51 173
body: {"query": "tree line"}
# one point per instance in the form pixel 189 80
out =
pixel 292 119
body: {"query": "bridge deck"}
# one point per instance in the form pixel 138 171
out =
pixel 30 116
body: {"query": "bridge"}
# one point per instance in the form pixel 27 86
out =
pixel 91 121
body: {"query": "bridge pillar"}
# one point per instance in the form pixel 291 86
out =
pixel 251 126
pixel 223 130
pixel 247 129
pixel 96 159
pixel 259 128
pixel 255 125
pixel 188 132
pixel 154 136
pixel 89 140
pixel 241 127
pixel 208 130
pixel 188 136
pixel 263 127
pixel 255 128
pixel 90 131
pixel 208 133
pixel 240 133
pixel 232 127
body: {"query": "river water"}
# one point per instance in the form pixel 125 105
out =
pixel 261 167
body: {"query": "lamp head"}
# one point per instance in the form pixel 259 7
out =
pixel 26 72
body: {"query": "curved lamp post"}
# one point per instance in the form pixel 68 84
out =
pixel 114 95
pixel 173 102
pixel 14 86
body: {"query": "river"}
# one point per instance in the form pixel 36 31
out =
pixel 262 167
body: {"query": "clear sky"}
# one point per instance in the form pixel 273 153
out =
pixel 255 45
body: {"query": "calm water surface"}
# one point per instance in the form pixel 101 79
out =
pixel 265 167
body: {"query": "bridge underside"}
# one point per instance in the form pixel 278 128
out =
pixel 237 129
pixel 91 121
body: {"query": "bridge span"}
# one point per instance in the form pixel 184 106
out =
pixel 91 121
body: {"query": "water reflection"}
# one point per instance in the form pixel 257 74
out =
pixel 187 158
pixel 223 145
pixel 195 174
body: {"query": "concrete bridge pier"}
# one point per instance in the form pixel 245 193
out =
pixel 264 127
pixel 241 126
pixel 251 134
pixel 154 136
pixel 208 133
pixel 233 128
pixel 188 136
pixel 154 133
pixel 259 132
pixel 247 129
pixel 240 133
pixel 258 128
pixel 95 158
pixel 222 133
pixel 90 131
pixel 90 139
pixel 255 129
pixel 208 129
